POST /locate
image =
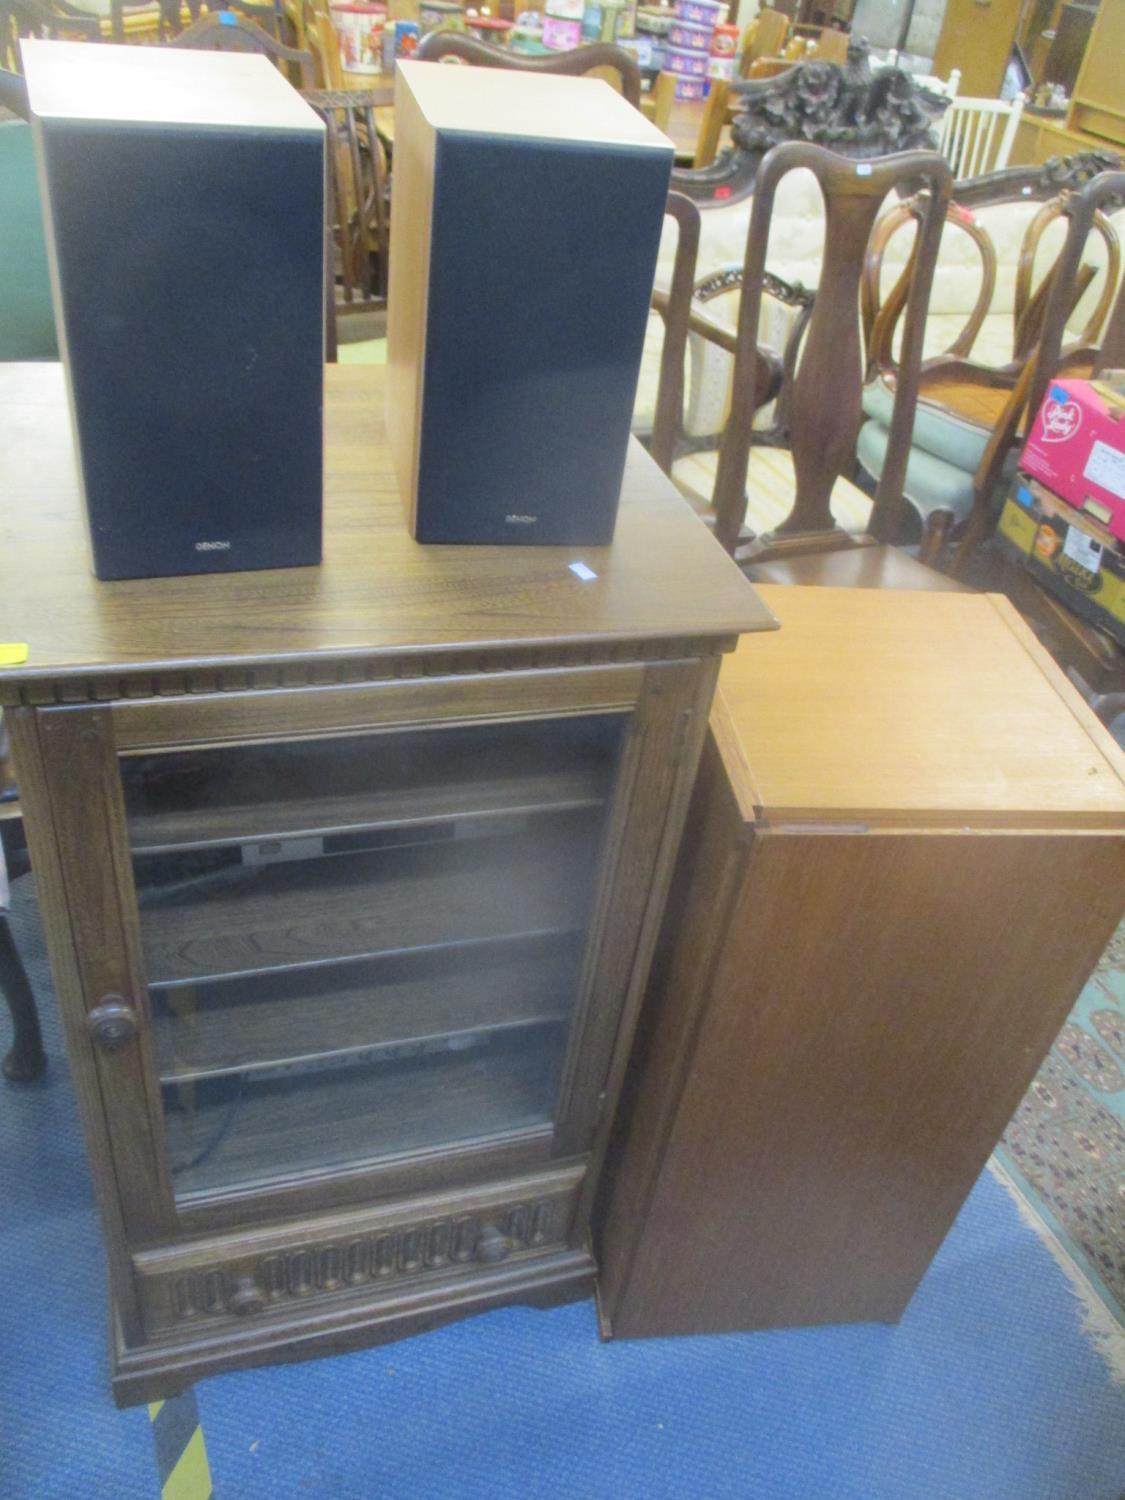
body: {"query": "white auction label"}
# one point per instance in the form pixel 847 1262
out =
pixel 1082 549
pixel 1106 466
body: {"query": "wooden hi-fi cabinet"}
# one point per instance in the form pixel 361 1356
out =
pixel 350 878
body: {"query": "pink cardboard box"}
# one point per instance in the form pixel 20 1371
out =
pixel 1076 447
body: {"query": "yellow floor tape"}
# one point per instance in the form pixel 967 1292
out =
pixel 181 1454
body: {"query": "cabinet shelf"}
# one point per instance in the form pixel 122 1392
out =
pixel 282 1129
pixel 313 912
pixel 247 1025
pixel 198 800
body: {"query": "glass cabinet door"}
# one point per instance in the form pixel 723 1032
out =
pixel 363 947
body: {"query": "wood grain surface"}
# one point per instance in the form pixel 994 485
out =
pixel 904 860
pixel 386 635
pixel 377 591
pixel 887 706
pixel 875 1006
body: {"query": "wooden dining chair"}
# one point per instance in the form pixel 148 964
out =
pixel 53 20
pixel 881 314
pixel 674 308
pixel 597 57
pixel 225 31
pixel 1030 303
pixel 1088 653
pixel 824 399
pixel 268 14
pixel 969 415
pixel 718 111
pixel 316 34
pixel 765 36
pixel 357 204
pixel 657 103
pixel 1085 211
pixel 144 22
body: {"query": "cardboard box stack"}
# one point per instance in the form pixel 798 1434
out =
pixel 1066 515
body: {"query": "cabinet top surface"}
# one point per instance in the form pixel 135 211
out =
pixel 544 107
pixel 887 707
pixel 377 591
pixel 115 85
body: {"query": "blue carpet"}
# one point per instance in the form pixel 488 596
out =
pixel 988 1389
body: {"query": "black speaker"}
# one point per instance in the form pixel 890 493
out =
pixel 184 203
pixel 527 218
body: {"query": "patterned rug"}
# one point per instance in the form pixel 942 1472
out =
pixel 1065 1147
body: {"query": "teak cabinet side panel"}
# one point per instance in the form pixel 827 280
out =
pixel 706 882
pixel 879 1005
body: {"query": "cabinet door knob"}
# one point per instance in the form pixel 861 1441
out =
pixel 246 1298
pixel 492 1245
pixel 112 1024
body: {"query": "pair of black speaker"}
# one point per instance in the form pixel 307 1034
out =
pixel 184 200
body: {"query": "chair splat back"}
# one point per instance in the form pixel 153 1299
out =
pixel 1030 305
pixel 580 60
pixel 824 402
pixel 675 309
pixel 358 208
pixel 50 19
pixel 225 31
pixel 880 317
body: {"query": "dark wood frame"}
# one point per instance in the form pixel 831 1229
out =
pixel 357 204
pixel 51 19
pixel 1048 356
pixel 67 756
pixel 674 307
pixel 880 317
pixel 385 636
pixel 578 61
pixel 825 396
pixel 213 32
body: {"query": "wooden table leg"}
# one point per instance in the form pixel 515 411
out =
pixel 27 1060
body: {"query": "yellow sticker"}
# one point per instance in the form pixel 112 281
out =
pixel 12 653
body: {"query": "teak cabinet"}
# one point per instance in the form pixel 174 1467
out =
pixel 904 857
pixel 350 878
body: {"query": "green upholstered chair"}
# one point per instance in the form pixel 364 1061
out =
pixel 27 320
pixel 947 454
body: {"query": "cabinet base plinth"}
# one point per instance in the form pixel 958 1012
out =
pixel 155 1371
